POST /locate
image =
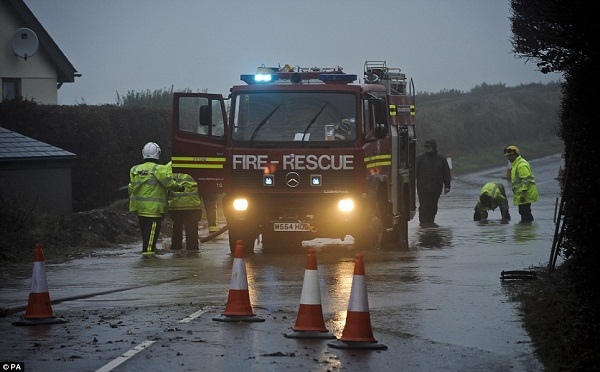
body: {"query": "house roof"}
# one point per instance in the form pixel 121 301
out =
pixel 15 146
pixel 65 72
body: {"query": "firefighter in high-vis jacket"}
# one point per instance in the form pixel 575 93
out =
pixel 492 196
pixel 185 209
pixel 522 181
pixel 148 186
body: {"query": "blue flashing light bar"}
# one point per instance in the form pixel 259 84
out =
pixel 337 78
pixel 266 78
pixel 258 78
pixel 263 78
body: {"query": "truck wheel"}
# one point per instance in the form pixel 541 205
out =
pixel 401 234
pixel 399 238
pixel 381 235
pixel 369 236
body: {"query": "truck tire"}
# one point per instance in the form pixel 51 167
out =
pixel 399 238
pixel 368 238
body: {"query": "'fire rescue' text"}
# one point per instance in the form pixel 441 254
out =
pixel 295 162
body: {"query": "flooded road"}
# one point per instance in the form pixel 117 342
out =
pixel 440 305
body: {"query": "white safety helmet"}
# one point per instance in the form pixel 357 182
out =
pixel 151 150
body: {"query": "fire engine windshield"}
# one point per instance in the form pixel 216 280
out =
pixel 294 116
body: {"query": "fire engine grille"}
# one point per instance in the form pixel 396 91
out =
pixel 295 181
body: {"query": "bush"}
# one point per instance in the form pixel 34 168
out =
pixel 106 139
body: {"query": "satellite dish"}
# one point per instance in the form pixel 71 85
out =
pixel 24 43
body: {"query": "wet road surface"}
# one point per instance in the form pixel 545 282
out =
pixel 439 305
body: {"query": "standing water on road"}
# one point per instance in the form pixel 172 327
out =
pixel 439 305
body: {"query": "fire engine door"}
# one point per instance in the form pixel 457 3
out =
pixel 199 122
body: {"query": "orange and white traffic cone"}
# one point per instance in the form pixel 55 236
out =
pixel 357 333
pixel 310 323
pixel 238 308
pixel 39 310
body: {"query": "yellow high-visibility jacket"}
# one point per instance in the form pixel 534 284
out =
pixel 496 191
pixel 148 186
pixel 522 179
pixel 189 199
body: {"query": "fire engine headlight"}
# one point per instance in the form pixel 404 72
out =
pixel 346 205
pixel 240 204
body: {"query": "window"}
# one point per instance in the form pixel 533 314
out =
pixel 367 116
pixel 294 116
pixel 10 88
pixel 195 114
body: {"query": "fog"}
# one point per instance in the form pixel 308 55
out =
pixel 136 45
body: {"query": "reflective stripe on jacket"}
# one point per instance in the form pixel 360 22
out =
pixel 189 198
pixel 148 185
pixel 522 179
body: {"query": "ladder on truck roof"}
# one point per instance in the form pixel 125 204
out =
pixel 377 72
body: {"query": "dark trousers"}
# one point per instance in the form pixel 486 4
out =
pixel 210 205
pixel 188 220
pixel 525 212
pixel 150 228
pixel 428 206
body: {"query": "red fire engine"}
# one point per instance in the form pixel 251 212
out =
pixel 304 153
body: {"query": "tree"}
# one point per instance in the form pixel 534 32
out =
pixel 561 36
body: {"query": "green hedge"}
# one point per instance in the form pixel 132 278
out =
pixel 107 140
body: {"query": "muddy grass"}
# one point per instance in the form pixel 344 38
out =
pixel 561 318
pixel 76 235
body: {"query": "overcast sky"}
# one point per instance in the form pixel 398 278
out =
pixel 136 45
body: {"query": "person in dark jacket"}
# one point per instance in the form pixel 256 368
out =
pixel 433 177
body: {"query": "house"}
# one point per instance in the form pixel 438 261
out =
pixel 32 173
pixel 35 173
pixel 39 75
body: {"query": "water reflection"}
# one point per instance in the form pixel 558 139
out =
pixel 492 233
pixel 434 237
pixel 525 232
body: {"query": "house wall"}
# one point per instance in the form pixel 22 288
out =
pixel 38 79
pixel 47 186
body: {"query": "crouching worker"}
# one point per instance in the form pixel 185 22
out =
pixel 492 196
pixel 185 211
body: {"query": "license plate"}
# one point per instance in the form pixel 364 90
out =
pixel 291 226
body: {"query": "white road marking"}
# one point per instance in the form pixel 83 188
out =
pixel 123 358
pixel 195 315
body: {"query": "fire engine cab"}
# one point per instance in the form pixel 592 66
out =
pixel 304 153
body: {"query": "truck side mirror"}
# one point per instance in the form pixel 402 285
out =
pixel 381 131
pixel 381 119
pixel 205 116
